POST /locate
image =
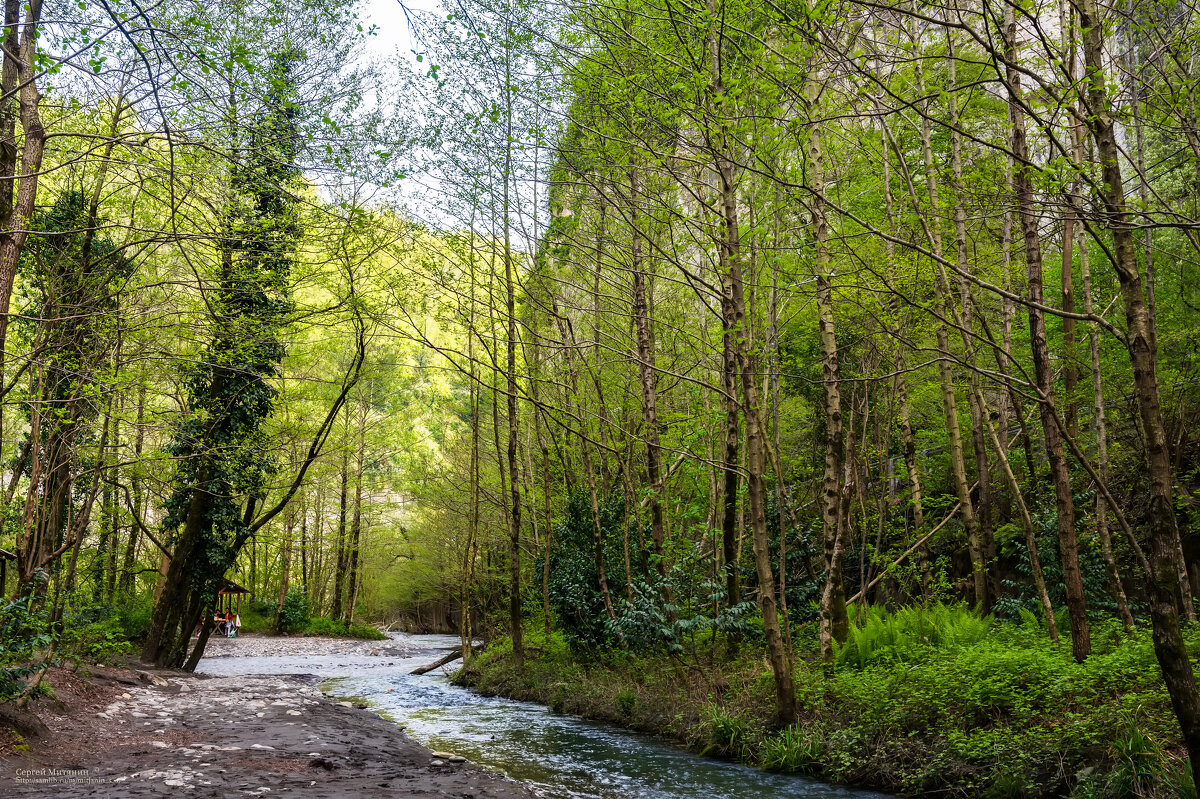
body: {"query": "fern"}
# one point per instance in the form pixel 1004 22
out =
pixel 908 633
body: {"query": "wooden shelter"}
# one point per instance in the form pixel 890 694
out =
pixel 230 594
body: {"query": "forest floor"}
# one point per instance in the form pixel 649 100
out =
pixel 131 733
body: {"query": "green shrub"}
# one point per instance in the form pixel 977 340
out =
pixel 102 641
pixel 626 701
pixel 331 628
pixel 722 731
pixel 293 616
pixel 134 617
pixel 322 626
pixel 255 622
pixel 368 632
pixel 23 633
pixel 793 749
pixel 1180 782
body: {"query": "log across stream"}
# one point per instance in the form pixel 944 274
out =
pixel 559 756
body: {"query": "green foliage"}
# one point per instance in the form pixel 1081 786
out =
pixel 949 704
pixel 134 617
pixel 626 702
pixel 723 731
pixel 293 616
pixel 92 638
pixel 333 628
pixel 24 632
pixel 254 621
pixel 324 626
pixel 792 749
pixel 366 632
pixel 573 587
pixel 1179 780
pixel 1139 765
pixel 908 634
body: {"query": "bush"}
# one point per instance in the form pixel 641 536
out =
pixel 793 749
pixel 102 641
pixel 723 732
pixel 626 701
pixel 134 617
pixel 331 628
pixel 255 622
pixel 23 632
pixel 1139 765
pixel 293 616
pixel 367 632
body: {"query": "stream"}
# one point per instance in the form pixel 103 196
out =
pixel 557 755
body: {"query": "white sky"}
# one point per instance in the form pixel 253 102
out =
pixel 392 38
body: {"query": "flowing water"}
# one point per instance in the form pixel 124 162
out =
pixel 559 756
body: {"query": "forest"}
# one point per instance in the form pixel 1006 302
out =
pixel 815 381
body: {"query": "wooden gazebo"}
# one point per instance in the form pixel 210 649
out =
pixel 229 598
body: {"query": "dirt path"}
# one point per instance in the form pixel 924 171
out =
pixel 184 735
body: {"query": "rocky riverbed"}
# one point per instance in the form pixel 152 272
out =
pixel 140 734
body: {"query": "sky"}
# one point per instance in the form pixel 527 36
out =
pixel 392 38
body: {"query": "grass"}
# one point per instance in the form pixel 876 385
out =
pixel 321 626
pixel 935 702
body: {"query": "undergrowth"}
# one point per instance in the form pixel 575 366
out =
pixel 936 701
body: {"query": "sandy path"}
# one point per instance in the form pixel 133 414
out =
pixel 234 736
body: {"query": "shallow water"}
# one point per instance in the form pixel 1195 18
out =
pixel 560 756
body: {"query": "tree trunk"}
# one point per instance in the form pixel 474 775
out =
pixel 733 295
pixel 19 78
pixel 946 310
pixel 337 609
pixel 834 622
pixel 1043 371
pixel 899 365
pixel 1164 587
pixel 135 488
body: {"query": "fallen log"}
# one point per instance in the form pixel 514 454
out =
pixel 442 661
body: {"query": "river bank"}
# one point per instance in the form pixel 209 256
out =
pixel 127 733
pixel 1010 716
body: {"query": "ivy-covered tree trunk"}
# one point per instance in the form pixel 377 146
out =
pixel 220 446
